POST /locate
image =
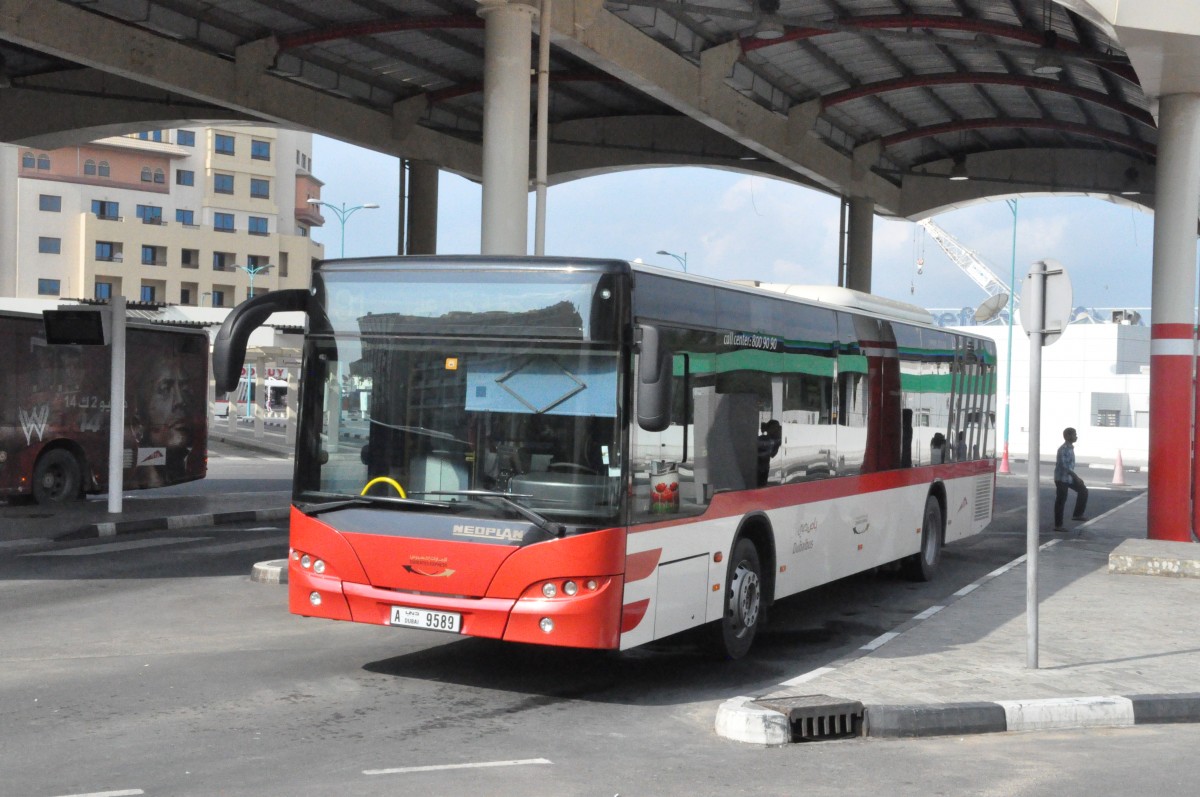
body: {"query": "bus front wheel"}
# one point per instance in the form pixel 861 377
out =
pixel 57 477
pixel 733 634
pixel 922 565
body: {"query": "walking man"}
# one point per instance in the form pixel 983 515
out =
pixel 1065 479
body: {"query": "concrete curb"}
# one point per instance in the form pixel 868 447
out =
pixel 272 572
pixel 113 528
pixel 743 720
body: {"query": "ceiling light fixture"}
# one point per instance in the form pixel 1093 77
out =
pixel 769 27
pixel 958 172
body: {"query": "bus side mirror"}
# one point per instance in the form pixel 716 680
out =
pixel 229 347
pixel 654 382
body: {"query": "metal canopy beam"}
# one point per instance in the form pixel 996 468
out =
pixel 593 34
pixel 243 86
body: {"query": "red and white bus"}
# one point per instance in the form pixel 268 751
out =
pixel 598 454
pixel 54 410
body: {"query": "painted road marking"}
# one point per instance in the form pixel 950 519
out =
pixel 440 767
pixel 122 793
pixel 110 547
pixel 8 545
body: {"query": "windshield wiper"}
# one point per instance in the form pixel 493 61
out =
pixel 541 521
pixel 370 500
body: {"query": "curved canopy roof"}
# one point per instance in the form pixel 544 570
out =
pixel 887 99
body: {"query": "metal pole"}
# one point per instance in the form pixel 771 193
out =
pixel 1012 291
pixel 402 221
pixel 1037 313
pixel 342 218
pixel 543 128
pixel 116 405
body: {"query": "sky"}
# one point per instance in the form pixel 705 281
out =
pixel 738 226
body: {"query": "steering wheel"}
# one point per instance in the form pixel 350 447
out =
pixel 572 467
pixel 384 480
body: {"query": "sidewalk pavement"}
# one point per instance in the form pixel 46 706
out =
pixel 1119 645
pixel 140 512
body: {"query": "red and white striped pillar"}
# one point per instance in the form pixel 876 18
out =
pixel 1173 470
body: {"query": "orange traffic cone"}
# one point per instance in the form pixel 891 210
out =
pixel 1004 461
pixel 1119 470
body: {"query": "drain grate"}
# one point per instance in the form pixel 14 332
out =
pixel 818 718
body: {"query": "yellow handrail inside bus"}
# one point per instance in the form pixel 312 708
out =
pixel 385 480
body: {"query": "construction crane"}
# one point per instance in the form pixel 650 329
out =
pixel 970 262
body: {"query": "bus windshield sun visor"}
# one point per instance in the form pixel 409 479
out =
pixel 229 348
pixel 655 367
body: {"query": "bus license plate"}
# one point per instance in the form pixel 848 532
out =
pixel 427 619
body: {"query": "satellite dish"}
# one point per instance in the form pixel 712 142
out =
pixel 991 308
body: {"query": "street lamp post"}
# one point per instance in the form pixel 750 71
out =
pixel 253 271
pixel 342 214
pixel 682 260
pixel 1012 289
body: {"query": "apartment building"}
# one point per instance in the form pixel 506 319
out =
pixel 199 216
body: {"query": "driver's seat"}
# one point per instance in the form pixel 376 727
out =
pixel 438 470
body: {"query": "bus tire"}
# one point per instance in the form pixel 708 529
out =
pixel 57 477
pixel 732 635
pixel 923 565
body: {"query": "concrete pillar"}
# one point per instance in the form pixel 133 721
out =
pixel 9 218
pixel 1173 293
pixel 258 406
pixel 507 59
pixel 859 246
pixel 422 208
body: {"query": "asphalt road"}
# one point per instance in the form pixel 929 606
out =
pixel 151 664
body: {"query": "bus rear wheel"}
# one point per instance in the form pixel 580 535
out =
pixel 922 565
pixel 57 478
pixel 734 633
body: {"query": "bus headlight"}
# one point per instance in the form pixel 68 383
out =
pixel 546 624
pixel 549 590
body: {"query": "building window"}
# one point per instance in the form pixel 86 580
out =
pixel 106 210
pixel 49 246
pixel 186 138
pixel 50 202
pixel 160 177
pixel 48 287
pixel 104 168
pixel 186 217
pixel 260 150
pixel 259 188
pixel 190 258
pixel 302 231
pixel 43 161
pixel 224 261
pixel 106 251
pixel 283 264
pixel 28 161
pixel 218 298
pixel 151 135
pixel 223 183
pixel 147 255
pixel 149 214
pixel 147 293
pixel 185 177
pixel 257 225
pixel 223 144
pixel 185 296
pixel 147 175
pixel 223 222
pixel 258 261
pixel 103 290
pixel 89 166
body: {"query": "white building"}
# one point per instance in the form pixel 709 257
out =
pixel 1096 378
pixel 190 216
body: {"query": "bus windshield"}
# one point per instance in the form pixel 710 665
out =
pixel 436 390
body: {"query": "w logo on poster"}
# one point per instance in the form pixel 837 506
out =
pixel 35 420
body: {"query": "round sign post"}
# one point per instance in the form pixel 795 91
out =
pixel 1045 312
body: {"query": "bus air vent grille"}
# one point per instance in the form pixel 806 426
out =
pixel 983 497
